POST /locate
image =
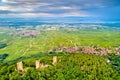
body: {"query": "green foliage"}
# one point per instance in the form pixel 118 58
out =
pixel 70 67
pixel 115 61
pixel 3 45
pixel 2 57
pixel 84 66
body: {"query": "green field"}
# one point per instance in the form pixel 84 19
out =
pixel 47 40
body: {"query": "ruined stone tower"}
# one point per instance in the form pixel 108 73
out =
pixel 20 66
pixel 54 59
pixel 37 64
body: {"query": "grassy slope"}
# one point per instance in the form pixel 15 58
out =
pixel 50 39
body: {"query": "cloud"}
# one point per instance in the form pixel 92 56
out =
pixel 44 14
pixel 4 8
pixel 34 8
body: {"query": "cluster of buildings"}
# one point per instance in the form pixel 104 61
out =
pixel 26 33
pixel 85 49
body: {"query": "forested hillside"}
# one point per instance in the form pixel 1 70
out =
pixel 74 66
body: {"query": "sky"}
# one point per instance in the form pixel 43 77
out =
pixel 61 9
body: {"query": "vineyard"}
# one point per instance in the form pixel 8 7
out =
pixel 82 55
